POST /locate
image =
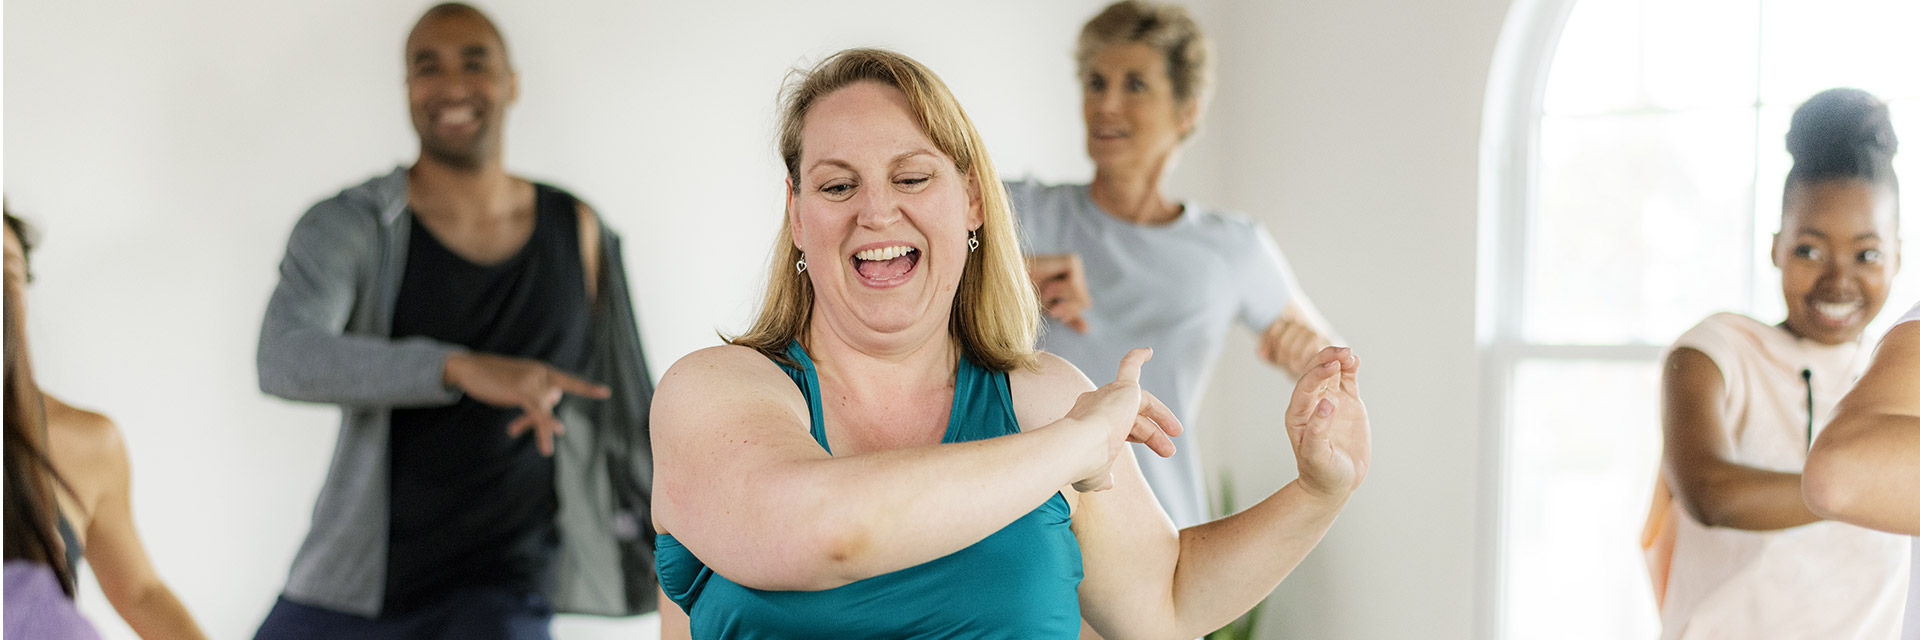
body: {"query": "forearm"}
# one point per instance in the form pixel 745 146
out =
pixel 1741 497
pixel 1863 470
pixel 821 523
pixel 156 614
pixel 1229 565
pixel 897 509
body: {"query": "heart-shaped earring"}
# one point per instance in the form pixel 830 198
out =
pixel 800 266
pixel 973 240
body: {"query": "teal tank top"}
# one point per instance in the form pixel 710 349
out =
pixel 1021 582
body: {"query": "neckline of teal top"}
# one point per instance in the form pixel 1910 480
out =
pixel 808 378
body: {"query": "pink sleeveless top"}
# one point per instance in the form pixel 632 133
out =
pixel 1821 580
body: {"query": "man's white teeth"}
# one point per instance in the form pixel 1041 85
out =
pixel 456 116
pixel 884 253
pixel 1836 310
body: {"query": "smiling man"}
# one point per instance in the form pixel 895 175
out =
pixel 449 308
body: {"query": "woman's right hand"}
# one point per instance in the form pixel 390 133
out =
pixel 1061 283
pixel 1119 413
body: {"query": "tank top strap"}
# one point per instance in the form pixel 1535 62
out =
pixel 809 382
pixel 982 405
pixel 982 400
pixel 71 539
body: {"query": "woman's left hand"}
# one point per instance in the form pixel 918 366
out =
pixel 1327 424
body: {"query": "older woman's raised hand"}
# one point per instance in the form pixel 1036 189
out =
pixel 1061 282
pixel 1119 413
pixel 1327 423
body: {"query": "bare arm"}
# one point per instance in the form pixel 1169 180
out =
pixel 1714 489
pixel 1144 580
pixel 589 248
pixel 741 483
pixel 120 562
pixel 1295 338
pixel 1864 467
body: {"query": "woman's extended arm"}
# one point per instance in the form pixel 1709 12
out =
pixel 1865 466
pixel 742 485
pixel 1714 489
pixel 114 551
pixel 1145 580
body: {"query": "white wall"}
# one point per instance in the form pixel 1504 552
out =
pixel 1353 129
pixel 166 149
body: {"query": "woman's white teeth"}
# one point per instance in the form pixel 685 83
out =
pixel 884 253
pixel 1836 309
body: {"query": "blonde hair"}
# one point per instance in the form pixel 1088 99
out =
pixel 995 317
pixel 1168 28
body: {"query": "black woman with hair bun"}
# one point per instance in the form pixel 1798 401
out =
pixel 1742 400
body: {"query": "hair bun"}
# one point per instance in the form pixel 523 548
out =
pixel 1842 133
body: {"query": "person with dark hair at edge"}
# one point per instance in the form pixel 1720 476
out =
pixel 1742 400
pixel 95 515
pixel 475 329
pixel 39 572
pixel 1118 263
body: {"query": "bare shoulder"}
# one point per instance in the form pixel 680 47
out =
pixel 1890 383
pixel 1692 372
pixel 86 449
pixel 589 226
pixel 589 223
pixel 87 434
pixel 1046 392
pixel 724 361
pixel 714 412
pixel 1051 371
pixel 588 217
pixel 726 375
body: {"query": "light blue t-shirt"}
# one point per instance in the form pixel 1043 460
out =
pixel 1176 288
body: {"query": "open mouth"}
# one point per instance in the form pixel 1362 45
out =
pixel 884 266
pixel 456 118
pixel 1837 314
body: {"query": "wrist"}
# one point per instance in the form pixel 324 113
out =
pixel 1077 443
pixel 1331 499
pixel 454 369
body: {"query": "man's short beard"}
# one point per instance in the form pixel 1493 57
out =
pixel 466 159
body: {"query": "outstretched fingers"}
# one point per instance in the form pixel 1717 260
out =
pixel 540 421
pixel 1147 432
pixel 582 388
pixel 1152 408
pixel 1130 365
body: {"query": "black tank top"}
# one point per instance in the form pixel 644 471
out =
pixel 472 507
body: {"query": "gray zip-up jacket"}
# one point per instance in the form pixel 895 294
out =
pixel 327 338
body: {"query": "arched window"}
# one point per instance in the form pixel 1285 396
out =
pixel 1632 167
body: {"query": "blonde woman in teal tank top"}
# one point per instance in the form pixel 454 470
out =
pixel 885 455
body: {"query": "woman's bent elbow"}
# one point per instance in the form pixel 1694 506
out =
pixel 1825 487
